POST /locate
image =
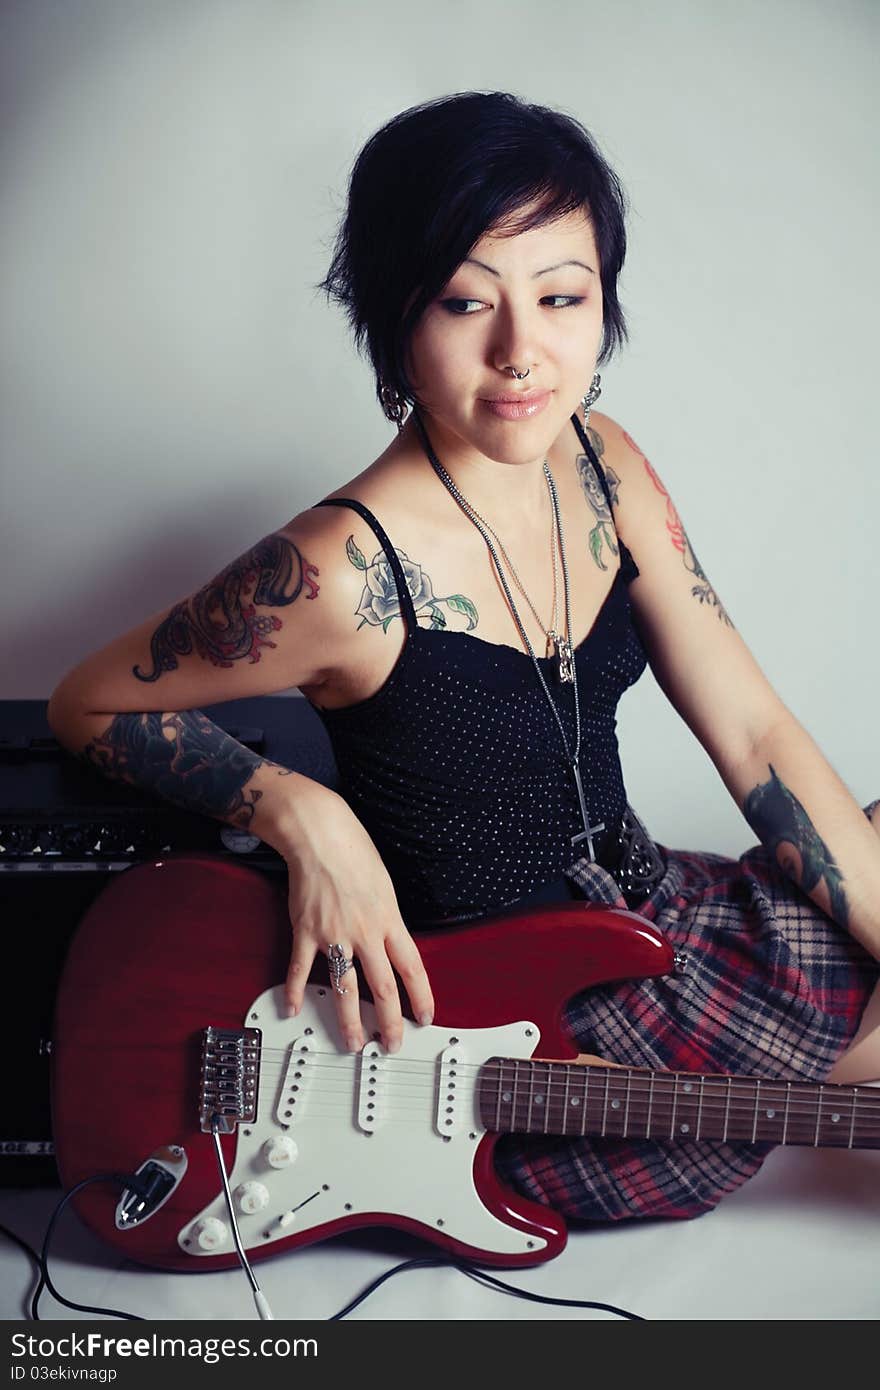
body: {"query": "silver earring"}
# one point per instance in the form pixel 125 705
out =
pixel 520 376
pixel 592 396
pixel 393 404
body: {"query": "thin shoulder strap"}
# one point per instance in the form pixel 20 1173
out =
pixel 591 455
pixel 403 595
pixel 629 568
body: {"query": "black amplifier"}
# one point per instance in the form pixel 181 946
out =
pixel 63 829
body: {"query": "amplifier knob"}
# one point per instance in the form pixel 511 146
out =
pixel 280 1152
pixel 211 1233
pixel 252 1196
pixel 73 841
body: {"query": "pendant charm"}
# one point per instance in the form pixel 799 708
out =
pixel 564 657
pixel 589 830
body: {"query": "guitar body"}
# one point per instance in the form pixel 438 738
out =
pixel 173 947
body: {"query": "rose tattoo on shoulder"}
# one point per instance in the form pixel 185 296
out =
pixel 603 532
pixel 380 603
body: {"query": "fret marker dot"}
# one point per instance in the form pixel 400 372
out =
pixel 575 1101
pixel 685 1129
pixel 506 1097
pixel 770 1114
pixel 688 1087
pixel 539 1100
pixel 834 1119
pixel 615 1105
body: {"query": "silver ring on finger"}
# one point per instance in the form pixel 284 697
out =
pixel 338 962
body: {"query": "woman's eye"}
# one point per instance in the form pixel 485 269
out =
pixel 463 307
pixel 460 306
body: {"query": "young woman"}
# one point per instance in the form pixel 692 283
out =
pixel 465 615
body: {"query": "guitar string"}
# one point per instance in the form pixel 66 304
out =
pixel 726 1092
pixel 421 1077
pixel 718 1100
pixel 739 1124
pixel 422 1074
pixel 737 1108
pixel 417 1068
pixel 661 1083
pixel 280 1059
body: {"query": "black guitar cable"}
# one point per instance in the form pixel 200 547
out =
pixel 475 1272
pixel 41 1259
pixel 481 1276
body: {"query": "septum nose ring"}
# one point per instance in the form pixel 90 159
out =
pixel 520 376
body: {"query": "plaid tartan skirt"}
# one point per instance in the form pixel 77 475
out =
pixel 772 988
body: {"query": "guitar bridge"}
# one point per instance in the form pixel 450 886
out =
pixel 228 1081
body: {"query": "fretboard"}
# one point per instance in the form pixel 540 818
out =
pixel 531 1097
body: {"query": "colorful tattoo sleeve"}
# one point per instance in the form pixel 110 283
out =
pixel 183 757
pixel 221 621
pixel 702 590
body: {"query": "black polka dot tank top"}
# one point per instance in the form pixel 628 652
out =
pixel 456 766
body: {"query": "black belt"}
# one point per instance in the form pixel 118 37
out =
pixel 632 858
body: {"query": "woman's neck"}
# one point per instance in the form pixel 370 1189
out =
pixel 507 495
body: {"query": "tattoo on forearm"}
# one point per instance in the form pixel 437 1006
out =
pixel 221 622
pixel 380 602
pixel 184 757
pixel 702 590
pixel 603 532
pixel 782 824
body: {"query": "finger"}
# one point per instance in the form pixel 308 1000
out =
pixel 386 996
pixel 301 961
pixel 348 1005
pixel 407 961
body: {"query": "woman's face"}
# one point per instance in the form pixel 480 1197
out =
pixel 533 300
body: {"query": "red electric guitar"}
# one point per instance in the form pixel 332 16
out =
pixel 170 1020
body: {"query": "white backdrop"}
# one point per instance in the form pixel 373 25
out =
pixel 174 387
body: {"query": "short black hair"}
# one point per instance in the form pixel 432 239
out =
pixel 435 179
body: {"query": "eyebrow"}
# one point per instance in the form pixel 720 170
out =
pixel 471 260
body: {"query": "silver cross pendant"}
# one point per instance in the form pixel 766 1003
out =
pixel 589 830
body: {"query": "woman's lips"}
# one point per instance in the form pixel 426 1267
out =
pixel 520 409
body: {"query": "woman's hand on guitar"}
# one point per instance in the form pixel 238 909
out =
pixel 340 894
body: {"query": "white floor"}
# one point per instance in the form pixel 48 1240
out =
pixel 801 1240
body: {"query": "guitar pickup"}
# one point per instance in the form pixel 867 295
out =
pixel 300 1064
pixel 454 1099
pixel 371 1088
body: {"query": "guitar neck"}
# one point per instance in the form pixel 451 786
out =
pixel 533 1097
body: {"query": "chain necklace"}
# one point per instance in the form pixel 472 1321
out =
pixel 561 647
pixel 564 651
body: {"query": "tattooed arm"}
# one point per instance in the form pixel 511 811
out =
pixel 256 627
pixel 787 791
pixel 804 814
pixel 699 659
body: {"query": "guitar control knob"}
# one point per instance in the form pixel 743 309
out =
pixel 252 1196
pixel 280 1152
pixel 211 1233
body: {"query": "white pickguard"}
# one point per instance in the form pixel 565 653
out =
pixel 409 1154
